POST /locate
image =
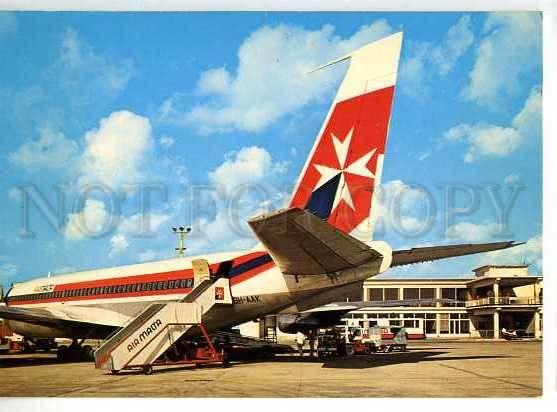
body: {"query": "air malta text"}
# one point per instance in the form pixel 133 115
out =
pixel 143 335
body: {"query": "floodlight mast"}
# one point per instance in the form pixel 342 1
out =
pixel 181 231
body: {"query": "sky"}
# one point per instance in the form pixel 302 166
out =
pixel 143 121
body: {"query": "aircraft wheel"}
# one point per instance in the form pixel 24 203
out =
pixel 89 352
pixel 62 353
pixel 114 371
pixel 28 347
pixel 147 369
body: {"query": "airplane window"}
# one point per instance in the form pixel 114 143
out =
pixel 170 284
pixel 160 285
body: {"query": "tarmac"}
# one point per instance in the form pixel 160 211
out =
pixel 428 369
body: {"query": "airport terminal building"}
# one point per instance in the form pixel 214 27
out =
pixel 492 299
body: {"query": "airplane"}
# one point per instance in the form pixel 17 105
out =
pixel 310 253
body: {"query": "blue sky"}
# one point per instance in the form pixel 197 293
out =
pixel 220 100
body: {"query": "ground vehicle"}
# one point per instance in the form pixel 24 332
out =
pixel 367 340
pixel 330 343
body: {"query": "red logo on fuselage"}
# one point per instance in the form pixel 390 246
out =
pixel 346 158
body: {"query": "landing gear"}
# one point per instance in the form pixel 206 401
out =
pixel 61 353
pixel 75 352
pixel 29 346
pixel 147 369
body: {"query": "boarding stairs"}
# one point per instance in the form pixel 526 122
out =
pixel 147 336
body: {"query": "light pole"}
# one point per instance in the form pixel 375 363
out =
pixel 181 231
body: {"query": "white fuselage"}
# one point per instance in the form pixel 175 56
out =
pixel 113 296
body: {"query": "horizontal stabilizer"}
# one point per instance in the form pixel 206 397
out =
pixel 301 243
pixel 426 254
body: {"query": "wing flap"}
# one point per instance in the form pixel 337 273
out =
pixel 303 244
pixel 426 254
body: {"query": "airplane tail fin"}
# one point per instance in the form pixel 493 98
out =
pixel 344 167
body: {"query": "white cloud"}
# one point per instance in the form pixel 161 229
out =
pixel 459 38
pixel 225 225
pixel 51 150
pixel 115 151
pixel 510 49
pixel 424 155
pixel 91 220
pixel 529 253
pixel 150 255
pixel 84 74
pixel 214 81
pixel 472 232
pixel 166 141
pixel 529 121
pixel 487 140
pixel 7 268
pixel 118 243
pixel 427 58
pixel 511 179
pixel 8 23
pixel 248 165
pixel 14 194
pixel 399 206
pixel 137 223
pixel 271 78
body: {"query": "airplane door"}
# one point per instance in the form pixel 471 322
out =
pixel 201 271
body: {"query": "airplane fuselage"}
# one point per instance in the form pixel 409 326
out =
pixel 112 296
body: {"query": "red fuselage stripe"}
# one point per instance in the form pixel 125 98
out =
pixel 153 277
pixel 106 296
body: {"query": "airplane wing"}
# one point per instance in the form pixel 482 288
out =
pixel 332 313
pixel 303 244
pixel 350 306
pixel 44 317
pixel 426 254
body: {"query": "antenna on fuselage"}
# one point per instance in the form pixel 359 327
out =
pixel 181 231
